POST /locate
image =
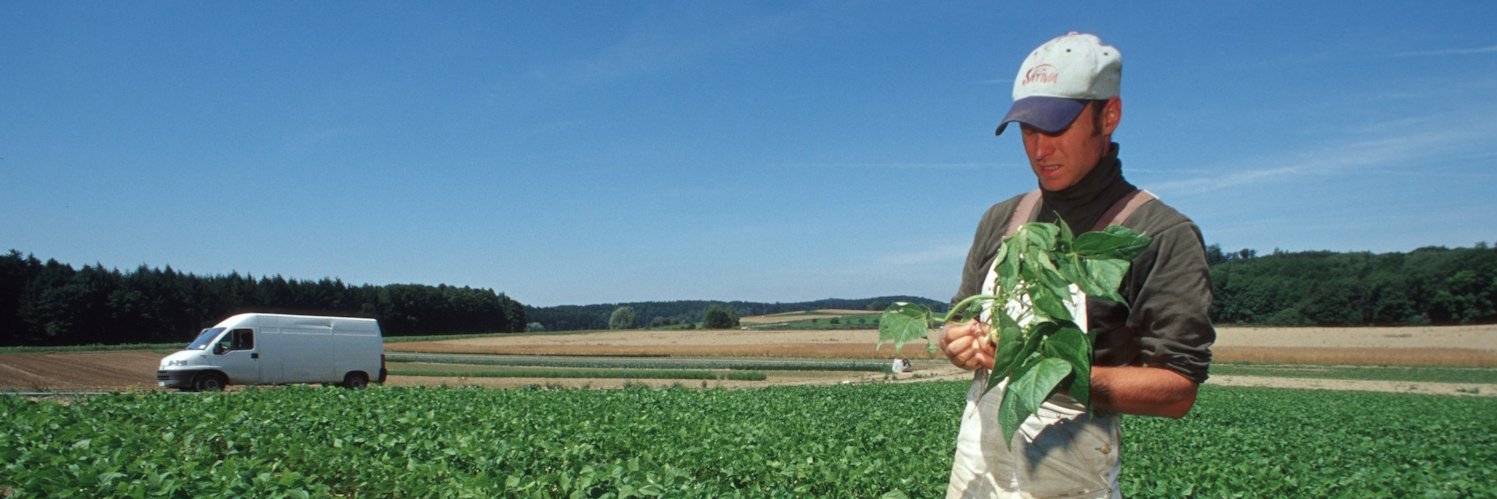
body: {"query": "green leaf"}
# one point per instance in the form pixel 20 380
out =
pixel 1049 274
pixel 1066 239
pixel 901 323
pixel 1115 241
pixel 1103 278
pixel 1069 266
pixel 1049 303
pixel 1000 257
pixel 1071 345
pixel 1029 390
pixel 1009 417
pixel 1010 345
pixel 973 309
pixel 1040 234
pixel 1008 266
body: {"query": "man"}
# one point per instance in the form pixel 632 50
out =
pixel 1150 354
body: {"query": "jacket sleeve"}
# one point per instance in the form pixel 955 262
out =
pixel 1171 312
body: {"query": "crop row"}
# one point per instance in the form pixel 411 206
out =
pixel 524 372
pixel 1436 374
pixel 644 362
pixel 837 441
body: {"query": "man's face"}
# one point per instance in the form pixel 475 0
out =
pixel 1062 159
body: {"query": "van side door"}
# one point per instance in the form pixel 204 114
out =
pixel 237 356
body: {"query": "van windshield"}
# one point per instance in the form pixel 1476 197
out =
pixel 205 338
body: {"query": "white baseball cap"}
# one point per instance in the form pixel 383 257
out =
pixel 1058 79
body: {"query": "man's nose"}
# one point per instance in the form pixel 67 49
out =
pixel 1044 145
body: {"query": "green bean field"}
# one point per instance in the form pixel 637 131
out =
pixel 863 440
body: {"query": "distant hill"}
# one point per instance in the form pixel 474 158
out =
pixel 666 313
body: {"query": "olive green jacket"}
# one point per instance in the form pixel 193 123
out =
pixel 1167 288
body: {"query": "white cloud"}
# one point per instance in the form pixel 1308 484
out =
pixel 1387 153
pixel 936 253
pixel 1443 52
pixel 659 42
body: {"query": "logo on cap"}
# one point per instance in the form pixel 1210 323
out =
pixel 1043 73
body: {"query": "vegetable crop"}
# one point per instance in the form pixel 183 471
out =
pixel 835 441
pixel 1041 350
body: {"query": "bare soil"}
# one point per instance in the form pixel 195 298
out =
pixel 1445 345
pixel 1453 345
pixel 79 371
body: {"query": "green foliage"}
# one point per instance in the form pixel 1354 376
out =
pixel 755 364
pixel 902 323
pixel 1425 286
pixel 840 441
pixel 716 317
pixel 1254 442
pixel 594 317
pixel 49 304
pixel 853 441
pixel 1040 350
pixel 587 373
pixel 622 318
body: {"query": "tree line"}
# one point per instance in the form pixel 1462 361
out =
pixel 1432 285
pixel 51 303
pixel 1426 286
pixel 661 314
pixel 714 317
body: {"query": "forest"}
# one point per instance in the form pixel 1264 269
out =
pixel 670 313
pixel 1432 285
pixel 51 303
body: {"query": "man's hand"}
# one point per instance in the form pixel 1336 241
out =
pixel 966 345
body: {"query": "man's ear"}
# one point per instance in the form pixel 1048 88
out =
pixel 1112 114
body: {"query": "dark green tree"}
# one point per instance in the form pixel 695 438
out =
pixel 716 317
pixel 622 318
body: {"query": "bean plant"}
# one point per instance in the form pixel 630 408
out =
pixel 1040 348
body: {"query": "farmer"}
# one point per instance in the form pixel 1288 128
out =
pixel 1150 353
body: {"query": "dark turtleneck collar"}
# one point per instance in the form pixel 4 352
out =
pixel 1082 204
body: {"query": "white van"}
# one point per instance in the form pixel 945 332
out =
pixel 273 349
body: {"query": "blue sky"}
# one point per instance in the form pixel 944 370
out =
pixel 589 152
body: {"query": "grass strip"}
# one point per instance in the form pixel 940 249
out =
pixel 1427 374
pixel 587 373
pixel 641 363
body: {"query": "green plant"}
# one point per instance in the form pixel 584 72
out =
pixel 1040 348
pixel 789 441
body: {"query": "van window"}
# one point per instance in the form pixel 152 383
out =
pixel 205 338
pixel 244 339
pixel 238 339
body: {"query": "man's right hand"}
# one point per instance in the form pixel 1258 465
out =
pixel 966 345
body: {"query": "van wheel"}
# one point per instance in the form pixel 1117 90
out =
pixel 356 381
pixel 209 382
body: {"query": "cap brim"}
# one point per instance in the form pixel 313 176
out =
pixel 1049 114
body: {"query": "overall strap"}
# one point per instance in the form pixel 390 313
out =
pixel 1121 210
pixel 1023 213
pixel 1116 215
